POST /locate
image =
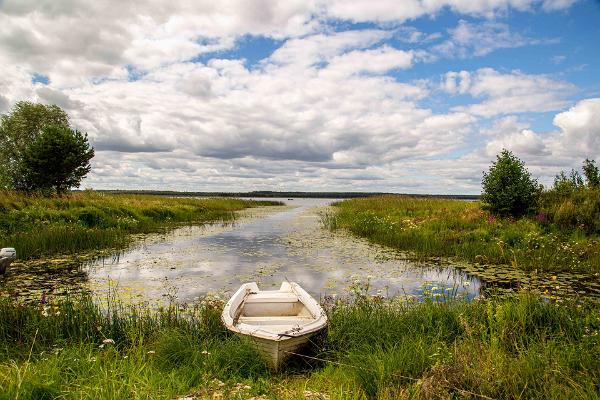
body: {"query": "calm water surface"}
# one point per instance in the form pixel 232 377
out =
pixel 268 245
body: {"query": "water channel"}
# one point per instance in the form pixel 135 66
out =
pixel 269 245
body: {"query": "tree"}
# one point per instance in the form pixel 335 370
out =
pixel 592 176
pixel 57 160
pixel 18 129
pixel 508 188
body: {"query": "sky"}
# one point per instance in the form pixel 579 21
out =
pixel 411 96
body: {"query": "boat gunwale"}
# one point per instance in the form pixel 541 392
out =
pixel 236 303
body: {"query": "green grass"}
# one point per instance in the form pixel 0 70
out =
pixel 436 227
pixel 42 226
pixel 516 348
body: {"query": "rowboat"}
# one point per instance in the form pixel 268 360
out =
pixel 7 256
pixel 278 322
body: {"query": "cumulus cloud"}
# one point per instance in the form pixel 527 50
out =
pixel 525 142
pixel 580 129
pixel 504 93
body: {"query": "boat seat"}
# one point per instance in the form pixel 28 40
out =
pixel 280 320
pixel 275 297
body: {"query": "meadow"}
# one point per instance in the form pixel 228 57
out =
pixel 40 226
pixel 375 348
pixel 563 236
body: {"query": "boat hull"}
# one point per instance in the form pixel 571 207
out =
pixel 276 352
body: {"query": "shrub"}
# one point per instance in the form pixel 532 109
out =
pixel 508 188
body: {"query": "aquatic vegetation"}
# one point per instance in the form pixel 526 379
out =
pixel 375 348
pixel 40 226
pixel 439 227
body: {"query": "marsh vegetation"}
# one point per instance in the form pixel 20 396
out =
pixel 375 348
pixel 553 240
pixel 89 221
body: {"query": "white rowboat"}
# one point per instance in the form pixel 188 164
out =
pixel 277 321
pixel 7 256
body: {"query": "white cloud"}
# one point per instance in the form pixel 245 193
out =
pixel 525 142
pixel 469 39
pixel 505 93
pixel 580 130
pixel 374 61
pixel 391 10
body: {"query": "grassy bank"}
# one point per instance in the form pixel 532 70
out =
pixel 40 226
pixel 519 348
pixel 435 227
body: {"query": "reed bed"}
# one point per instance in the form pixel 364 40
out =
pixel 89 221
pixel 375 348
pixel 437 227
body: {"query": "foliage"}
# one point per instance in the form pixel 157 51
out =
pixel 375 348
pixel 438 227
pixel 37 226
pixel 572 204
pixel 592 176
pixel 57 160
pixel 573 210
pixel 565 185
pixel 18 129
pixel 508 188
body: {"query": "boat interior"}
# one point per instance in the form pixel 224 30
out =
pixel 274 311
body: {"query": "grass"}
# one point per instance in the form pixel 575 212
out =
pixel 42 226
pixel 437 227
pixel 375 348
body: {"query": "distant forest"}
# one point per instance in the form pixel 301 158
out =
pixel 270 194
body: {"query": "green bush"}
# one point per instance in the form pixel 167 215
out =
pixel 508 188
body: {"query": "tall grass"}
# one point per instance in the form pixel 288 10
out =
pixel 516 348
pixel 577 208
pixel 41 226
pixel 436 227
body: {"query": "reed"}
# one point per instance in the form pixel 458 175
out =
pixel 436 227
pixel 375 348
pixel 39 226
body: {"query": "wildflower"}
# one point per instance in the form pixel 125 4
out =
pixel 151 352
pixel 101 346
pixel 206 353
pixel 542 218
pixel 218 382
pixel 108 341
